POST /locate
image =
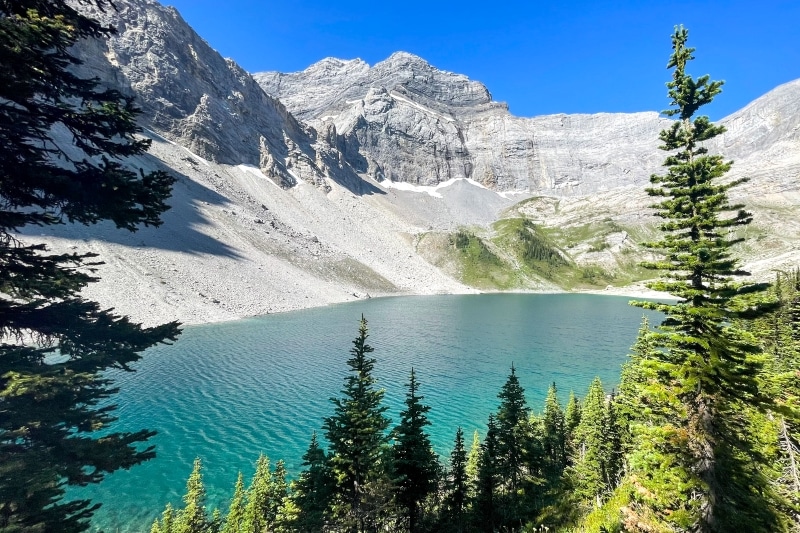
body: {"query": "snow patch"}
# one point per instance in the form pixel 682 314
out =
pixel 428 189
pixel 255 171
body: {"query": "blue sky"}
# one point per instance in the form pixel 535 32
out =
pixel 540 57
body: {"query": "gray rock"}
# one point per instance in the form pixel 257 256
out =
pixel 192 96
pixel 411 122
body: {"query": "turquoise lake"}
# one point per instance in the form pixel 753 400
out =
pixel 226 392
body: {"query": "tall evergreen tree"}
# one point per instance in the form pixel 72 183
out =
pixel 415 467
pixel 167 521
pixel 707 366
pixel 357 430
pixel 589 468
pixel 512 418
pixel 193 517
pixel 457 490
pixel 554 437
pixel 572 418
pixel 55 411
pixel 612 448
pixel 278 494
pixel 259 505
pixel 473 460
pixel 485 509
pixel 312 489
pixel 235 517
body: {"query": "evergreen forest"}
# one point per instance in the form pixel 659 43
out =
pixel 701 435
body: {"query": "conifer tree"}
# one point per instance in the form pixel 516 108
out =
pixel 193 518
pixel 455 504
pixel 167 521
pixel 258 505
pixel 485 510
pixel 278 493
pixel 357 431
pixel 589 468
pixel 415 466
pixel 312 489
pixel 554 437
pixel 56 411
pixel 512 418
pixel 235 517
pixel 612 450
pixel 473 460
pixel 572 418
pixel 707 368
pixel 215 524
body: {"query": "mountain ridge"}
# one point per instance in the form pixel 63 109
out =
pixel 272 212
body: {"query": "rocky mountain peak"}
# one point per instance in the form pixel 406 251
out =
pixel 210 105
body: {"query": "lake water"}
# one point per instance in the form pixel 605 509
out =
pixel 226 392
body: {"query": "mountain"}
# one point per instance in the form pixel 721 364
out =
pixel 347 180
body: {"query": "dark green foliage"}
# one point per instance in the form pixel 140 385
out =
pixel 512 431
pixel 457 487
pixel 415 468
pixel 572 417
pixel 696 465
pixel 313 489
pixel 57 346
pixel 554 437
pixel 357 434
pixel 485 510
pixel 612 450
pixel 536 248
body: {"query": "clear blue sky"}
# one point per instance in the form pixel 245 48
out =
pixel 540 57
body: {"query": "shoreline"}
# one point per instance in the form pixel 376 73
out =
pixel 632 291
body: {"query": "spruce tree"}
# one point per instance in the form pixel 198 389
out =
pixel 56 411
pixel 235 517
pixel 278 494
pixel 357 431
pixel 193 518
pixel 589 468
pixel 485 509
pixel 707 366
pixel 258 505
pixel 572 417
pixel 512 418
pixel 457 490
pixel 312 489
pixel 415 467
pixel 612 447
pixel 554 437
pixel 167 521
pixel 473 460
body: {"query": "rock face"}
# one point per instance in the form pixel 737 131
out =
pixel 210 105
pixel 414 123
pixel 330 184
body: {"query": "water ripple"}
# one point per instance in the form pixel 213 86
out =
pixel 227 392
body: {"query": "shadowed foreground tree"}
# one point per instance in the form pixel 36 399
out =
pixel 63 139
pixel 697 467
